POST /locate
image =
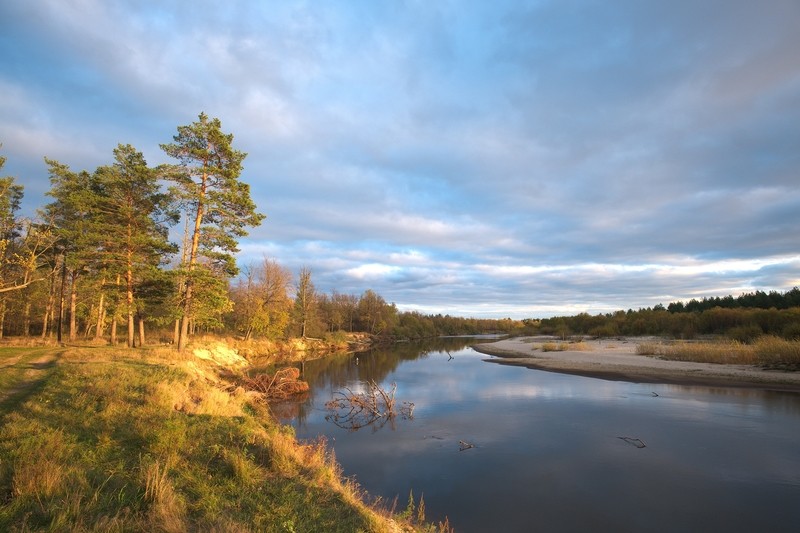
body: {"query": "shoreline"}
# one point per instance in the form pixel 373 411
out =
pixel 616 360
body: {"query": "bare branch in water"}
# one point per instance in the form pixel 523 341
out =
pixel 374 407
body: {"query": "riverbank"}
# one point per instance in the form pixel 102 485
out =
pixel 100 438
pixel 616 359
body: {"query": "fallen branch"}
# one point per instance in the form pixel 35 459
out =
pixel 282 385
pixel 374 407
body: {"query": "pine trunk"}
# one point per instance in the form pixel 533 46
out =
pixel 101 314
pixel 26 319
pixel 188 294
pixel 141 332
pixel 73 307
pixel 51 301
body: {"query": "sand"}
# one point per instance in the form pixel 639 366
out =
pixel 616 359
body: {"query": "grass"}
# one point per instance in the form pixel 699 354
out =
pixel 578 346
pixel 767 351
pixel 114 440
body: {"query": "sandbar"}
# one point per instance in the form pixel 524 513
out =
pixel 616 359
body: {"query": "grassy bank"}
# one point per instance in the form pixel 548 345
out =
pixel 94 439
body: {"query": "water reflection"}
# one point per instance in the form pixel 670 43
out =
pixel 547 453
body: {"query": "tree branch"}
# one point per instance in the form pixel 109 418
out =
pixel 18 287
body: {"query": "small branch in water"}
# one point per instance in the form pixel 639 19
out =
pixel 462 445
pixel 639 443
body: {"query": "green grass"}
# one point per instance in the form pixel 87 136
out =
pixel 106 441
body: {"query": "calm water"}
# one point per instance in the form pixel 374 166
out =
pixel 547 453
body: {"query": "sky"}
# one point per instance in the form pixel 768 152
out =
pixel 486 159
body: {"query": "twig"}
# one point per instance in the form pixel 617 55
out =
pixel 639 443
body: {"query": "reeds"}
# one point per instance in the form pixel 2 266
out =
pixel 577 346
pixel 766 351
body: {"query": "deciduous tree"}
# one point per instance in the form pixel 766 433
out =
pixel 305 301
pixel 262 300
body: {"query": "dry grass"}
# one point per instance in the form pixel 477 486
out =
pixel 580 346
pixel 133 443
pixel 649 348
pixel 38 479
pixel 577 346
pixel 199 397
pixel 167 509
pixel 777 351
pixel 767 351
pixel 554 346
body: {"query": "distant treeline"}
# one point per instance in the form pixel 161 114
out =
pixel 749 300
pixel 743 318
pixel 414 325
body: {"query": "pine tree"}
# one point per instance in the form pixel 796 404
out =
pixel 219 205
pixel 73 214
pixel 135 216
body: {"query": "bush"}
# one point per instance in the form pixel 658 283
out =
pixel 791 331
pixel 745 334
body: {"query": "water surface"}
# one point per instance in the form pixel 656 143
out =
pixel 547 454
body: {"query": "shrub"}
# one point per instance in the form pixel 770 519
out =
pixel 745 334
pixel 791 331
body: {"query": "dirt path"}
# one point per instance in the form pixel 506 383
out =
pixel 22 371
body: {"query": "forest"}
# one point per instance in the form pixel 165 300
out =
pixel 97 263
pixel 743 318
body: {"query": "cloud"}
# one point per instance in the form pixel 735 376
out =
pixel 506 158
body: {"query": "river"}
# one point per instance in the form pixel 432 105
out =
pixel 498 448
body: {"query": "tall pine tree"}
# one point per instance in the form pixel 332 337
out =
pixel 73 214
pixel 135 215
pixel 218 203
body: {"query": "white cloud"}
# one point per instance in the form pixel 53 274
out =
pixel 506 159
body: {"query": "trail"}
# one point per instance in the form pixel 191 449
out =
pixel 22 374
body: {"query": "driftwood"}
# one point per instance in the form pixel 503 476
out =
pixel 373 407
pixel 639 443
pixel 282 385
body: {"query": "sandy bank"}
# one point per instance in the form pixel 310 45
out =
pixel 616 359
